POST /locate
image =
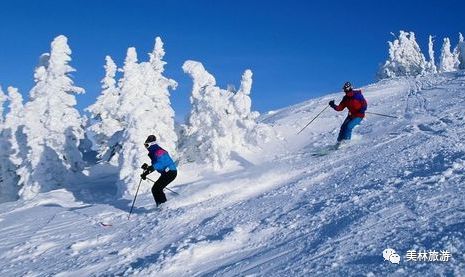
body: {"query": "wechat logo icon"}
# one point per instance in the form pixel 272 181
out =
pixel 391 255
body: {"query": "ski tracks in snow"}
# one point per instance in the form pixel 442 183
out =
pixel 290 214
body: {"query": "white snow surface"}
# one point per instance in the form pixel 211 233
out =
pixel 279 212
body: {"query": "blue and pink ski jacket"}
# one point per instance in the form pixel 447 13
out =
pixel 161 160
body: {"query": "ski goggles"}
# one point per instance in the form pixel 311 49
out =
pixel 347 87
pixel 148 144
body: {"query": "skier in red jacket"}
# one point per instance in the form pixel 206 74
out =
pixel 356 104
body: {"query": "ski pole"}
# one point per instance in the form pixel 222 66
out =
pixel 134 201
pixel 382 114
pixel 313 119
pixel 165 187
pixel 172 191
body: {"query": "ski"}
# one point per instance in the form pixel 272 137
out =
pixel 323 151
pixel 103 224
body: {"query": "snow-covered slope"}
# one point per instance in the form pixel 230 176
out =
pixel 282 212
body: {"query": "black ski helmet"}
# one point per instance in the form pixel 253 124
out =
pixel 347 86
pixel 150 139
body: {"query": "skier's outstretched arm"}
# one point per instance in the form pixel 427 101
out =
pixel 339 107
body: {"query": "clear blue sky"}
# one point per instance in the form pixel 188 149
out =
pixel 296 49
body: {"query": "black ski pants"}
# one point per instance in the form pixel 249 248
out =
pixel 161 183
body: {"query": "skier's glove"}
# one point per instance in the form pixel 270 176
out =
pixel 149 169
pixel 144 175
pixel 331 103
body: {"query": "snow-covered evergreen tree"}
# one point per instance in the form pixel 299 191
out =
pixel 13 120
pixel 44 60
pixel 253 132
pixel 2 103
pixel 146 109
pixel 220 121
pixel 105 121
pixel 459 52
pixel 5 192
pixel 431 65
pixel 207 137
pixel 405 58
pixel 51 123
pixel 241 99
pixel 10 157
pixel 448 61
pixel 158 89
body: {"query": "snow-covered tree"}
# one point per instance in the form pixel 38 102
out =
pixel 2 109
pixel 405 58
pixel 158 89
pixel 241 99
pixel 13 120
pixel 220 121
pixel 208 134
pixel 431 65
pixel 448 61
pixel 10 156
pixel 146 109
pixel 6 192
pixel 459 52
pixel 105 121
pixel 51 123
pixel 253 132
pixel 44 60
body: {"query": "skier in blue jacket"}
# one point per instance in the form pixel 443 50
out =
pixel 163 164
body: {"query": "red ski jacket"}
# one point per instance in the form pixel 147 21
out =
pixel 354 102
